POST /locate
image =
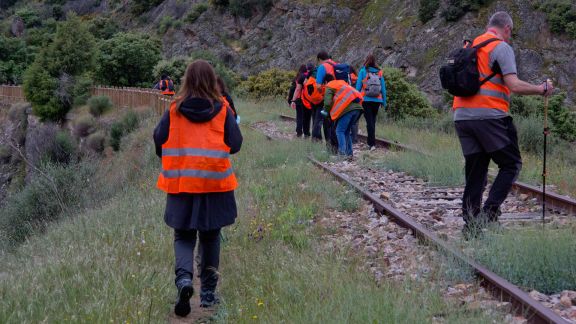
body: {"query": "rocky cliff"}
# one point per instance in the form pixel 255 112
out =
pixel 292 32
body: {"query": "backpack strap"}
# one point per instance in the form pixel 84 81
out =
pixel 484 43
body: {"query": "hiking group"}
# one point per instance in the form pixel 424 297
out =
pixel 196 136
pixel 332 97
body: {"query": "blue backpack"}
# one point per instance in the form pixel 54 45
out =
pixel 342 72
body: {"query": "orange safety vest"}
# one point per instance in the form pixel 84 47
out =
pixel 329 66
pixel 195 158
pixel 365 81
pixel 312 94
pixel 166 91
pixel 492 94
pixel 343 96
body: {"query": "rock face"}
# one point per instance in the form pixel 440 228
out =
pixel 17 27
pixel 292 32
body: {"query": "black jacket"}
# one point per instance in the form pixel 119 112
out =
pixel 208 211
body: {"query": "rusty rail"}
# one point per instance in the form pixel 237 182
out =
pixel 523 304
pixel 554 201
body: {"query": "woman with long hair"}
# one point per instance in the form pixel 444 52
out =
pixel 373 87
pixel 194 139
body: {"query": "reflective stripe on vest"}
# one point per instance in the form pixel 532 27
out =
pixel 195 158
pixel 494 93
pixel 344 95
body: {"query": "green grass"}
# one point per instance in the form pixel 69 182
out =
pixel 544 260
pixel 114 262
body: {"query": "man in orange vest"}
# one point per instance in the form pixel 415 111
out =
pixel 343 107
pixel 485 128
pixel 165 85
pixel 325 67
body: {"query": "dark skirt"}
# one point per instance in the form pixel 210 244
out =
pixel 202 212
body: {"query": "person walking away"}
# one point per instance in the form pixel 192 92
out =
pixel 342 105
pixel 373 87
pixel 303 113
pixel 194 140
pixel 165 85
pixel 224 92
pixel 484 125
pixel 325 67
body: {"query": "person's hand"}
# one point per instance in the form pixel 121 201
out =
pixel 547 88
pixel 293 105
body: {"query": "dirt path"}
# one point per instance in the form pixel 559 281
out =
pixel 198 314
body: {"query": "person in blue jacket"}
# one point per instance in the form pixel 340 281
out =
pixel 371 104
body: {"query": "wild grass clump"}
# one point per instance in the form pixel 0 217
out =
pixel 124 126
pixel 84 126
pixel 64 150
pixel 98 105
pixel 96 142
pixel 196 11
pixel 544 260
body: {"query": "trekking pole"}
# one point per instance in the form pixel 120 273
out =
pixel 546 132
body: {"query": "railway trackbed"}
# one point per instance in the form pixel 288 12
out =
pixel 433 215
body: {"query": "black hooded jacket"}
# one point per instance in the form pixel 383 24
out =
pixel 206 211
pixel 199 110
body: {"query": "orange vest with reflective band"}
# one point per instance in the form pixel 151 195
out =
pixel 492 94
pixel 344 94
pixel 195 158
pixel 365 82
pixel 166 91
pixel 329 66
pixel 312 94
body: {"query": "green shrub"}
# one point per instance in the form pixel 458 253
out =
pixel 526 106
pixel 46 198
pixel 141 6
pixel 64 149
pixel 165 24
pixel 560 14
pixel 96 142
pixel 84 126
pixel 269 83
pixel 455 9
pixel 55 80
pixel 174 68
pixel 119 129
pixel 427 9
pixel 247 8
pixel 404 98
pixel 127 59
pixel 197 10
pixel 99 105
pixel 103 27
pixel 15 57
pixel 30 17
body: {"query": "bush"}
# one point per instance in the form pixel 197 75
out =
pixel 17 113
pixel 15 57
pixel 175 68
pixel 269 83
pixel 561 16
pixel 405 99
pixel 99 105
pixel 96 142
pixel 457 8
pixel 64 149
pixel 141 6
pixel 197 10
pixel 427 9
pixel 56 79
pixel 119 129
pixel 526 106
pixel 84 126
pixel 128 60
pixel 103 27
pixel 29 16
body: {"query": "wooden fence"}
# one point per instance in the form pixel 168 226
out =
pixel 120 97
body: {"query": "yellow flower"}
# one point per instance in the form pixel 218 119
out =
pixel 260 304
pixel 255 317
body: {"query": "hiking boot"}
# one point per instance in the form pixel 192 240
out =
pixel 372 148
pixel 208 299
pixel 185 292
pixel 491 214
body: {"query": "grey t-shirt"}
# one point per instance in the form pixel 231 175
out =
pixel 502 58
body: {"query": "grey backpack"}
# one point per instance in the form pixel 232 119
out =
pixel 373 86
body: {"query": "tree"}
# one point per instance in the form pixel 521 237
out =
pixel 128 59
pixel 14 58
pixel 57 78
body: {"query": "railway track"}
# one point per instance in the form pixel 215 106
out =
pixel 554 202
pixel 431 213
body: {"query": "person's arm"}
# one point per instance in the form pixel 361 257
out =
pixel 328 99
pixel 520 87
pixel 383 87
pixel 361 77
pixel 231 103
pixel 161 132
pixel 232 135
pixel 171 85
pixel 296 95
pixel 320 74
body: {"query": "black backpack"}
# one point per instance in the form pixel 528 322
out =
pixel 460 75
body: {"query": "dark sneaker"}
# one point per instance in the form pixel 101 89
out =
pixel 185 292
pixel 208 299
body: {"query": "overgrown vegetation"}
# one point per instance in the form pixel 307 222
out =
pixel 544 260
pixel 270 83
pixel 122 127
pixel 427 10
pixel 455 9
pixel 196 11
pixel 243 8
pixel 141 6
pixel 404 99
pixel 14 59
pixel 99 105
pixel 560 14
pixel 57 77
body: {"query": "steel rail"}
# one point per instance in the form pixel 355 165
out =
pixel 554 201
pixel 523 304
